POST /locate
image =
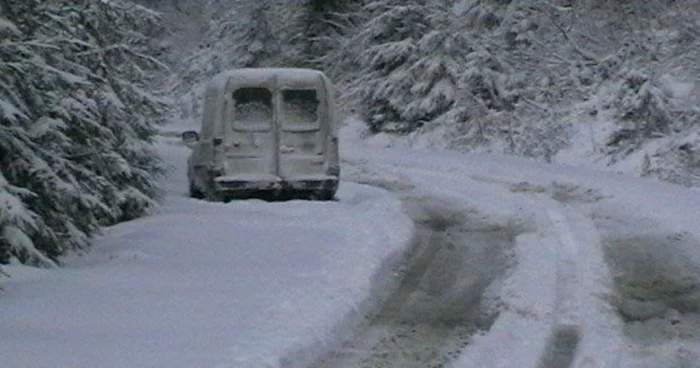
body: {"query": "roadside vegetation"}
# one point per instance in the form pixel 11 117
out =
pixel 79 81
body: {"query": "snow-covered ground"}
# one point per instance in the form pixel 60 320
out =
pixel 201 284
pixel 603 270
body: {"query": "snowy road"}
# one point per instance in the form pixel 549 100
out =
pixel 605 269
pixel 424 260
pixel 443 294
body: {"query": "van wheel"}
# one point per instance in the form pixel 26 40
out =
pixel 323 195
pixel 195 193
pixel 213 196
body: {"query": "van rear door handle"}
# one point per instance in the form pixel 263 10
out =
pixel 286 149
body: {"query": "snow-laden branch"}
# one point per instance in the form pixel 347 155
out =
pixel 126 49
pixel 32 43
pixel 583 53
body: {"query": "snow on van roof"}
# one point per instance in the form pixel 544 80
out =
pixel 259 75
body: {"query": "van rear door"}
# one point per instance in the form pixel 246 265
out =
pixel 302 128
pixel 251 143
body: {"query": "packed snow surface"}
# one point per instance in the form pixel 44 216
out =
pixel 603 271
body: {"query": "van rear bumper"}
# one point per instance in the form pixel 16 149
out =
pixel 232 187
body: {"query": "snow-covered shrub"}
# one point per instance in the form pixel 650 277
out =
pixel 77 115
pixel 542 138
pixel 665 127
pixel 643 106
pixel 648 108
pixel 676 161
pixel 511 132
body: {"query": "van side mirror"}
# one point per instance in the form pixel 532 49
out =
pixel 189 137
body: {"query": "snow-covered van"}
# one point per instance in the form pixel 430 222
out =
pixel 268 133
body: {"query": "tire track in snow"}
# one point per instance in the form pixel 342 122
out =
pixel 583 332
pixel 565 336
pixel 636 269
pixel 644 278
pixel 561 347
pixel 439 303
pixel 578 267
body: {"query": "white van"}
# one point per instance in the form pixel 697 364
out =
pixel 265 133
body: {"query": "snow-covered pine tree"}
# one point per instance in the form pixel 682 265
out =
pixel 409 59
pixel 76 121
pixel 243 34
pixel 254 43
pixel 315 30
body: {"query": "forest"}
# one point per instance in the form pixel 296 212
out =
pixel 86 84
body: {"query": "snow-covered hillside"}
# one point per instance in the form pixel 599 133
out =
pixel 592 269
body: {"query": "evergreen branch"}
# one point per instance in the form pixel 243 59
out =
pixel 66 76
pixel 126 49
pixel 583 53
pixel 29 43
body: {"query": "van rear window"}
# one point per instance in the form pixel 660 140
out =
pixel 300 108
pixel 253 109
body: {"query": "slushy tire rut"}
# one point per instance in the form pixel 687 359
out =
pixel 561 347
pixel 442 297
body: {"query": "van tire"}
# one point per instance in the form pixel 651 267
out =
pixel 213 196
pixel 323 195
pixel 195 193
